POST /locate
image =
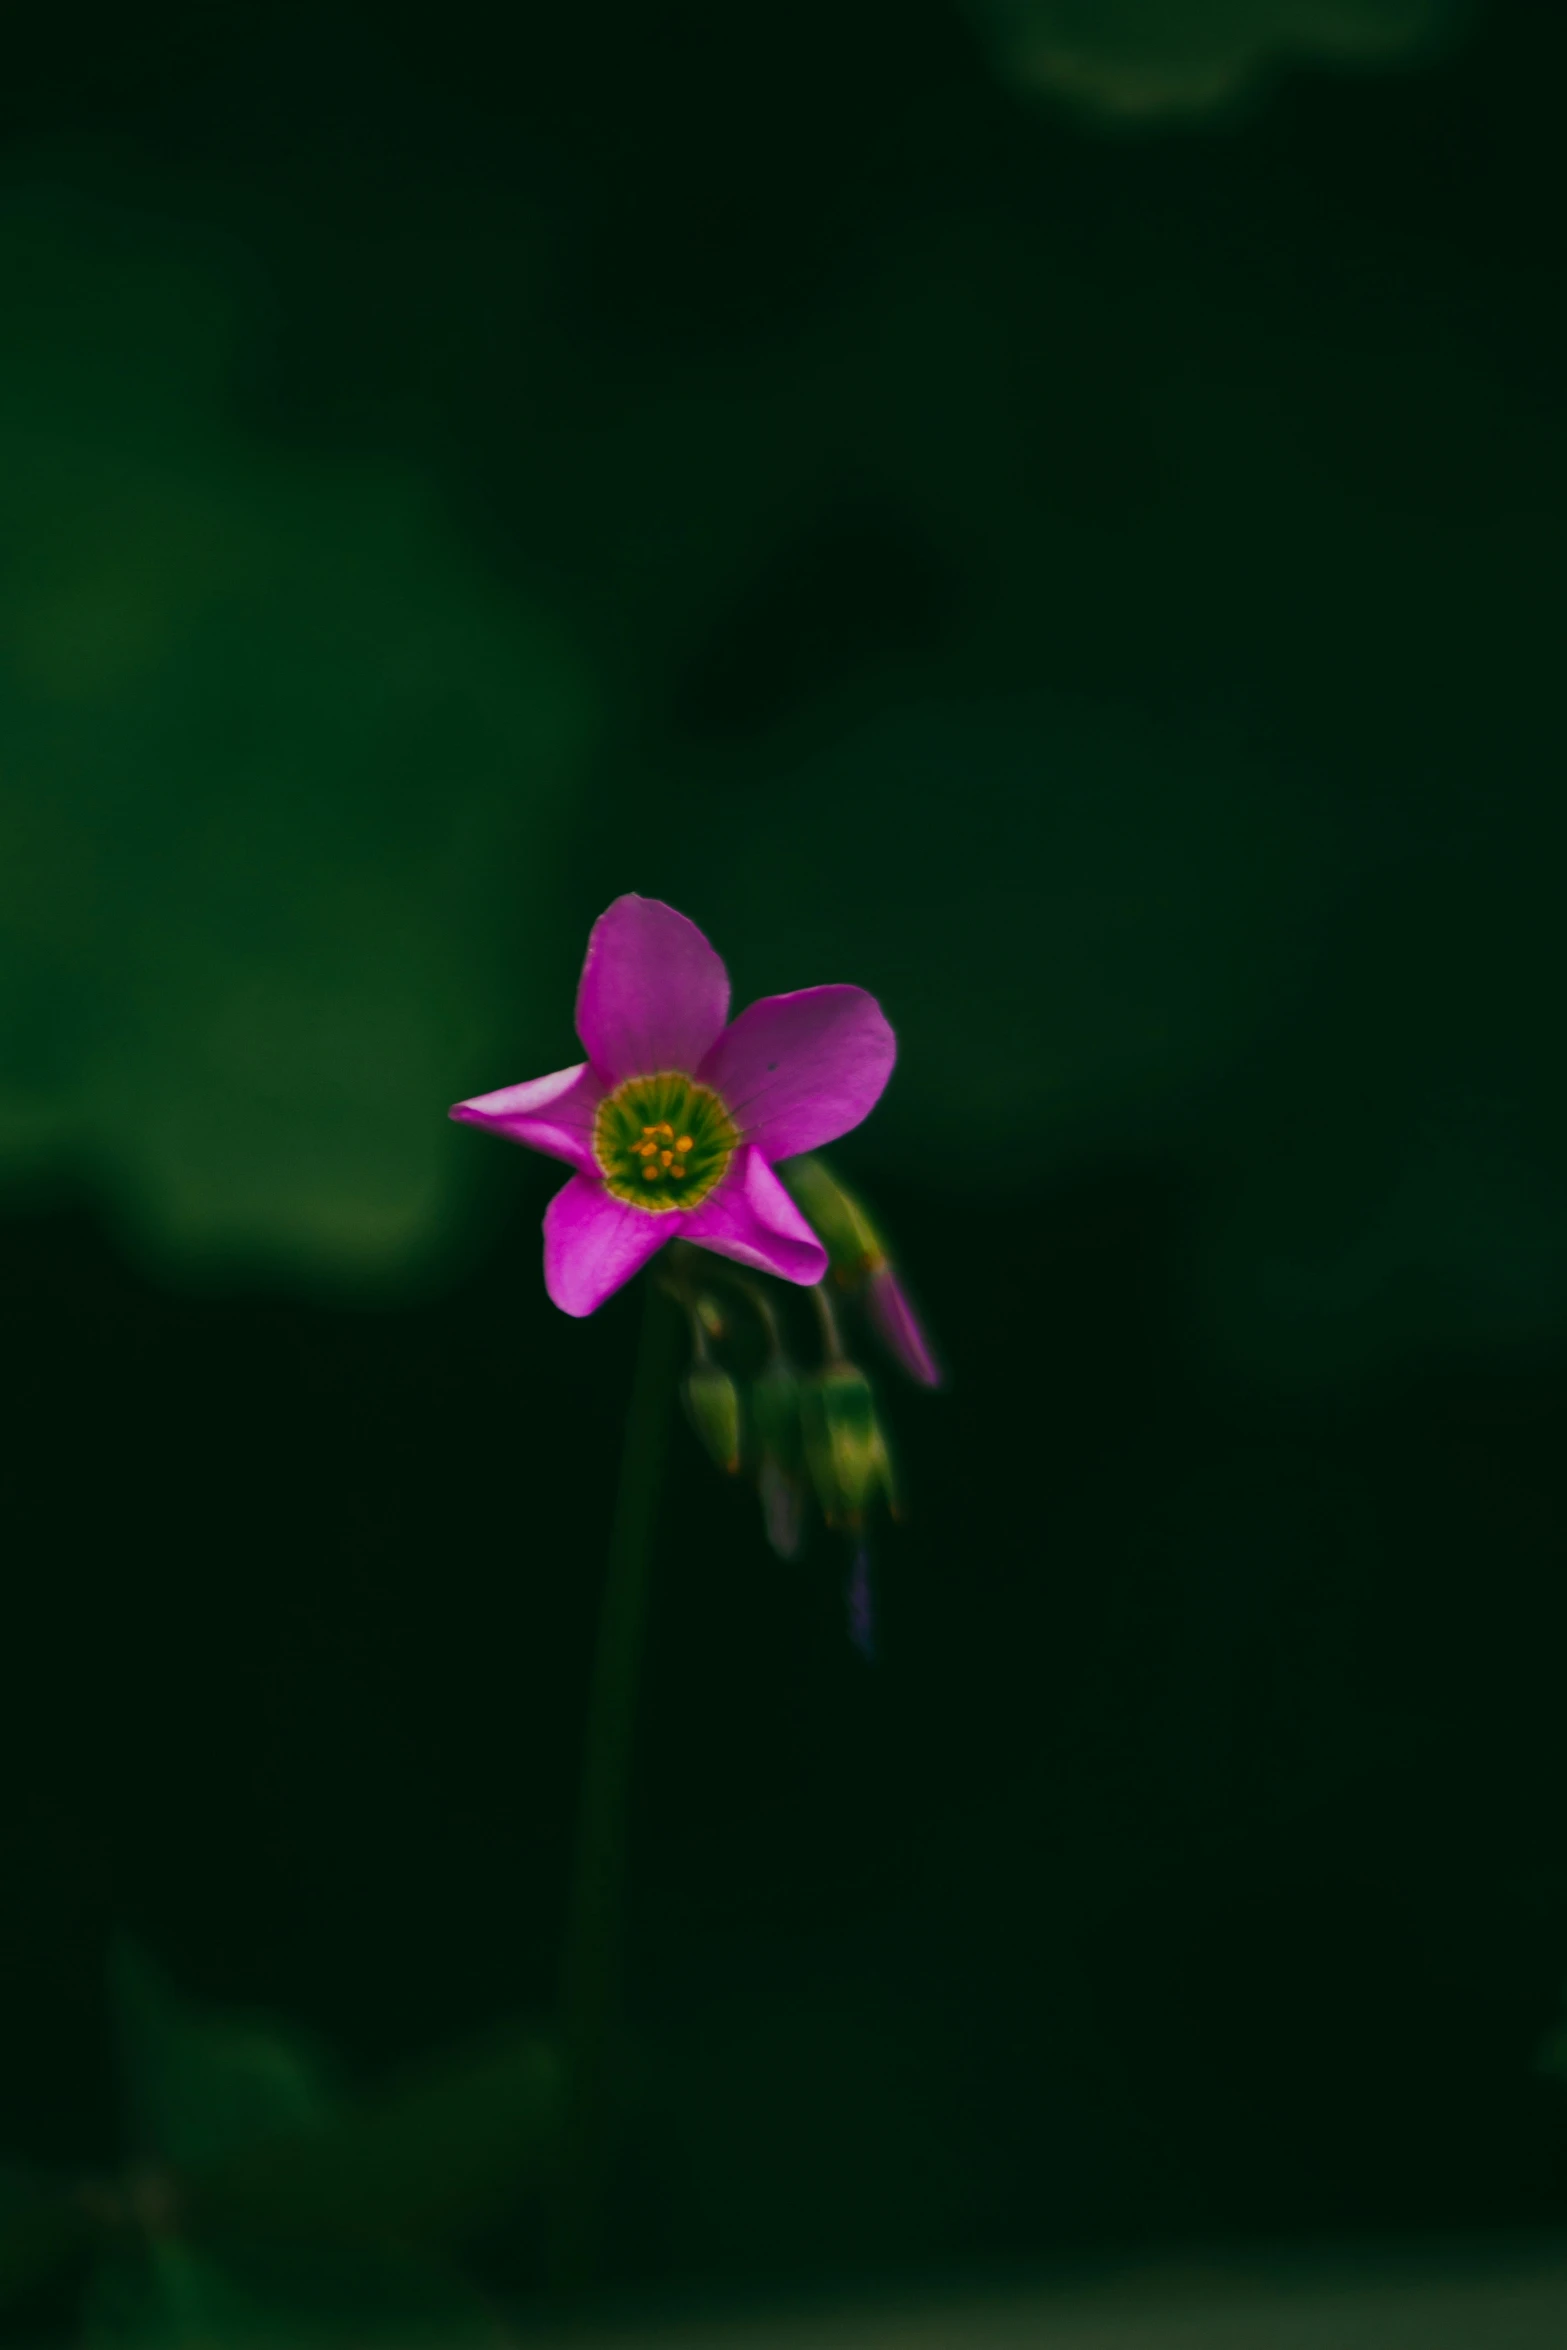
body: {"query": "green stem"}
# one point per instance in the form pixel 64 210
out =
pixel 832 1336
pixel 595 1926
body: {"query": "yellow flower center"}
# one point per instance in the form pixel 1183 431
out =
pixel 662 1142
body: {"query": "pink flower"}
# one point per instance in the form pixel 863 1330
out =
pixel 674 1120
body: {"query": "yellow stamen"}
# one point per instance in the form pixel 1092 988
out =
pixel 689 1147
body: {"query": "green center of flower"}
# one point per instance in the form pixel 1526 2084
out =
pixel 662 1142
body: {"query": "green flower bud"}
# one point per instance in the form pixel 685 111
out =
pixel 860 1264
pixel 845 1450
pixel 712 1403
pixel 775 1412
pixel 775 1416
pixel 710 1314
pixel 840 1223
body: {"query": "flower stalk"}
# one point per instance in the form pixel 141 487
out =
pixel 592 1974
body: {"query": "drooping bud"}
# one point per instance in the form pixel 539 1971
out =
pixel 892 1318
pixel 712 1403
pixel 841 1224
pixel 709 1313
pixel 860 1264
pixel 845 1450
pixel 775 1416
pixel 775 1411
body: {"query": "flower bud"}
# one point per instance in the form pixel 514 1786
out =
pixel 712 1403
pixel 710 1314
pixel 775 1416
pixel 860 1264
pixel 775 1411
pixel 892 1318
pixel 845 1450
pixel 840 1223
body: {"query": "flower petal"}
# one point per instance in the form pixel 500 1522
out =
pixel 654 995
pixel 796 1071
pixel 553 1114
pixel 751 1218
pixel 593 1243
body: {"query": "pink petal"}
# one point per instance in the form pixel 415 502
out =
pixel 796 1071
pixel 593 1243
pixel 654 995
pixel 553 1114
pixel 751 1218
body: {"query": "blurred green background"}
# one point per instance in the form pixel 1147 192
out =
pixel 1052 512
